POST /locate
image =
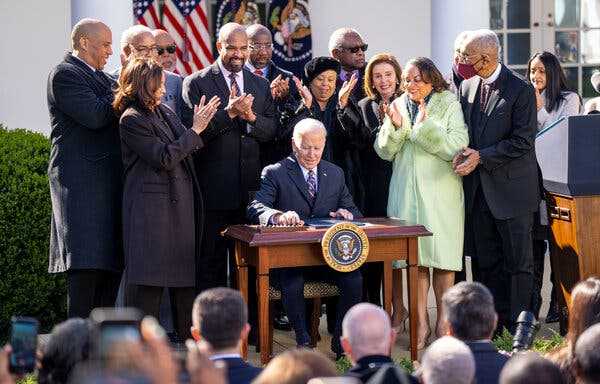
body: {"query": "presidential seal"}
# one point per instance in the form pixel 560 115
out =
pixel 345 247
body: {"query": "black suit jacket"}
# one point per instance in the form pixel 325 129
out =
pixel 229 164
pixel 239 371
pixel 368 366
pixel 504 135
pixel 488 361
pixel 283 188
pixel 85 170
pixel 162 203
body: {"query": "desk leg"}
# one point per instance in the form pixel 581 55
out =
pixel 413 305
pixel 387 287
pixel 242 283
pixel 263 318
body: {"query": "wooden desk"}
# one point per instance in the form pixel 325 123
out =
pixel 389 240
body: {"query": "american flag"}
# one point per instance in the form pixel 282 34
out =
pixel 187 23
pixel 145 12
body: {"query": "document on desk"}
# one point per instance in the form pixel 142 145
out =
pixel 328 222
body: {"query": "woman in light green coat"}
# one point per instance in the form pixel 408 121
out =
pixel 422 132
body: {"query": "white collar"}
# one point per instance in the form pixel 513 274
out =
pixel 84 62
pixel 493 76
pixel 220 356
pixel 253 69
pixel 226 72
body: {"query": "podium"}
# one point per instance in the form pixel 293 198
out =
pixel 568 153
pixel 389 239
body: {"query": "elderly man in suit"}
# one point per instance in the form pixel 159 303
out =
pixel 283 88
pixel 229 164
pixel 368 340
pixel 220 317
pixel 165 49
pixel 469 315
pixel 500 173
pixel 347 46
pixel 85 172
pixel 293 190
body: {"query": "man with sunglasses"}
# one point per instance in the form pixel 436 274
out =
pixel 346 45
pixel 166 49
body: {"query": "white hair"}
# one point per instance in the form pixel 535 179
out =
pixel 448 361
pixel 132 32
pixel 337 38
pixel 307 125
pixel 487 41
pixel 368 330
pixel 459 39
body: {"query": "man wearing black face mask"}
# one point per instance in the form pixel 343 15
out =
pixel 500 175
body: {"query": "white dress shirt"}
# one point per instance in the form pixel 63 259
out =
pixel 490 79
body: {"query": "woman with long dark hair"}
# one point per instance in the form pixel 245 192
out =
pixel 162 202
pixel 554 98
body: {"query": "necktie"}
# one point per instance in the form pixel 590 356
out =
pixel 259 72
pixel 234 84
pixel 486 89
pixel 312 185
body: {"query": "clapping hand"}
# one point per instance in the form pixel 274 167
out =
pixel 465 161
pixel 203 113
pixel 422 114
pixel 394 114
pixel 346 90
pixel 280 87
pixel 304 92
pixel 342 214
pixel 240 106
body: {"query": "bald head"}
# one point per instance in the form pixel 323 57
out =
pixel 448 361
pixel 367 331
pixel 91 41
pixel 483 41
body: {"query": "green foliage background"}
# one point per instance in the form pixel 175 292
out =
pixel 26 287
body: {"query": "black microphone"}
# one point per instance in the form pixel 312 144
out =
pixel 595 79
pixel 527 327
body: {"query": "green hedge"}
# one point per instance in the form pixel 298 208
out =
pixel 26 287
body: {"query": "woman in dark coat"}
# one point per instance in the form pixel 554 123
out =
pixel 361 120
pixel 162 202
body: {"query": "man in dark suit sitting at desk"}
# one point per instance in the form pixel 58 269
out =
pixel 296 189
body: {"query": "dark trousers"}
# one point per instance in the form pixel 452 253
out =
pixel 504 260
pixel 91 288
pixel 211 266
pixel 291 283
pixel 148 299
pixel 539 252
pixel 372 274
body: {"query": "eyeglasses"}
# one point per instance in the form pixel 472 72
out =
pixel 363 48
pixel 168 48
pixel 143 48
pixel 258 47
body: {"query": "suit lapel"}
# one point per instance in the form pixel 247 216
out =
pixel 493 100
pixel 297 177
pixel 248 83
pixel 219 80
pixel 161 128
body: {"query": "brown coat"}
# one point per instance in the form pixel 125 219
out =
pixel 162 202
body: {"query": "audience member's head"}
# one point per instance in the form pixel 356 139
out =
pixel 529 367
pixel 469 313
pixel 585 308
pixel 68 345
pixel 141 82
pixel 296 366
pixel 382 77
pixel 447 361
pixel 137 41
pixel 479 54
pixel 346 45
pixel 546 75
pixel 460 38
pixel 367 331
pixel 595 80
pixel 220 316
pixel 91 41
pixel 166 49
pixel 232 45
pixel 308 142
pixel 261 45
pixel 587 356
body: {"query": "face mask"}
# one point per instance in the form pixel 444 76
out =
pixel 466 71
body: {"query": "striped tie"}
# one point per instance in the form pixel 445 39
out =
pixel 234 84
pixel 312 185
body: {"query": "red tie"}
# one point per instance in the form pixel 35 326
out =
pixel 258 72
